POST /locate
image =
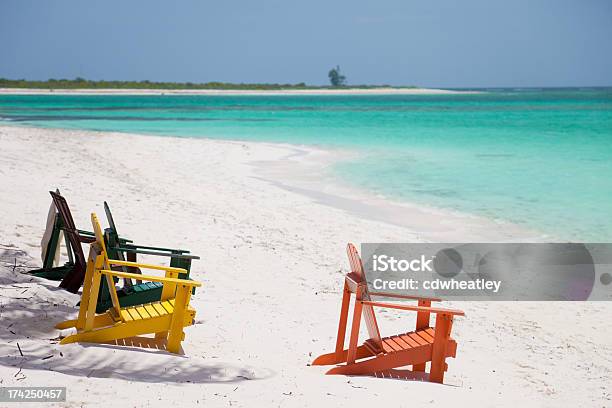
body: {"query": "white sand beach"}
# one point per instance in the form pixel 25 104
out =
pixel 231 92
pixel 271 230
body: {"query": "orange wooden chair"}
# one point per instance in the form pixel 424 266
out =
pixel 381 355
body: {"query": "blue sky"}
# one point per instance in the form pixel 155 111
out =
pixel 435 43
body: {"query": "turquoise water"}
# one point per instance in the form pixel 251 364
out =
pixel 540 158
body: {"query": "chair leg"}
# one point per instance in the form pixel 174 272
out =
pixel 93 299
pixel 340 357
pixel 175 334
pixel 444 324
pixel 346 298
pixel 422 323
pixel 84 306
pixel 352 350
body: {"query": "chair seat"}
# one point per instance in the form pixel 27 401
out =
pixel 406 341
pixel 150 311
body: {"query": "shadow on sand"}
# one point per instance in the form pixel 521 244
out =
pixel 29 309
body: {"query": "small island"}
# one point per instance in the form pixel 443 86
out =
pixel 81 86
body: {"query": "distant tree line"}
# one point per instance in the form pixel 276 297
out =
pixel 80 83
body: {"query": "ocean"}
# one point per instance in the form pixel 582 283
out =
pixel 541 158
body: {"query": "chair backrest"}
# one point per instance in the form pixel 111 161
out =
pixel 367 311
pixel 99 238
pixel 110 284
pixel 109 217
pixel 50 242
pixel 64 211
pixel 74 280
pixel 112 237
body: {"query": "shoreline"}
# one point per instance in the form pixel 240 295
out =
pixel 229 92
pixel 303 170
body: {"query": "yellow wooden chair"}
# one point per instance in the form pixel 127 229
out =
pixel 166 318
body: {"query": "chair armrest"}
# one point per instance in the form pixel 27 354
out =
pixel 126 275
pixel 88 234
pixel 86 239
pixel 132 249
pixel 392 295
pixel 146 266
pixel 415 308
pixel 178 251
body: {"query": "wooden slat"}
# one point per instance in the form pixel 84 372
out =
pixel 159 308
pixel 389 342
pixel 142 312
pixel 151 310
pixel 133 313
pixel 428 337
pixel 386 348
pixel 168 306
pixel 126 316
pixel 409 297
pixel 417 338
pixel 401 343
pixel 409 340
pixel 412 308
pixel 125 275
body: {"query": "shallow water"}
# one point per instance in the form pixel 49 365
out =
pixel 539 158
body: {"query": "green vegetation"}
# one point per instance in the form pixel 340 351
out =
pixel 336 78
pixel 80 83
